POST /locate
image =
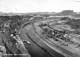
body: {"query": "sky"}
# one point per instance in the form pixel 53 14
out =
pixel 24 6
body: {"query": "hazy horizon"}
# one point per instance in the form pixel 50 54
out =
pixel 26 6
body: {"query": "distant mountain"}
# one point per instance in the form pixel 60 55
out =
pixel 63 13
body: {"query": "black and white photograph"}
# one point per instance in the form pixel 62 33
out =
pixel 39 28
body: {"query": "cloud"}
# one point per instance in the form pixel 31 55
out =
pixel 38 5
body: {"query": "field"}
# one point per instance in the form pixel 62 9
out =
pixel 20 35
